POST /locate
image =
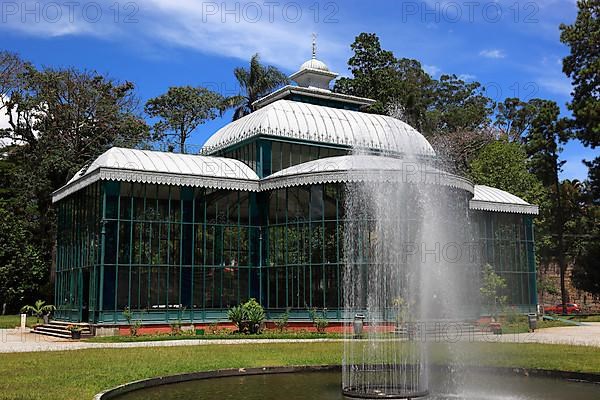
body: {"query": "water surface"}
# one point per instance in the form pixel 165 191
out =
pixel 326 386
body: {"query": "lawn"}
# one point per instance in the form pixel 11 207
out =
pixel 13 321
pixel 522 326
pixel 585 318
pixel 82 373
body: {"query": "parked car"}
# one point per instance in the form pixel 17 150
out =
pixel 572 308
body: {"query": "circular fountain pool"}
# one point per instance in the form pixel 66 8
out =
pixel 326 386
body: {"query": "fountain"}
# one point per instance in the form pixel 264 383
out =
pixel 406 275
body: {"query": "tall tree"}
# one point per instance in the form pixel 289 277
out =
pixel 181 110
pixel 22 270
pixel 394 83
pixel 503 165
pixel 456 150
pixel 62 119
pixel 12 67
pixel 594 180
pixel 431 106
pixel 543 145
pixel 458 105
pixel 582 65
pixel 513 118
pixel 586 271
pixel 255 82
pixel 72 116
pixel 582 212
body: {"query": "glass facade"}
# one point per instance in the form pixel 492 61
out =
pixel 179 253
pixel 266 157
pixel 305 248
pixel 507 244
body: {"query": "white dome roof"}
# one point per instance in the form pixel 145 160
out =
pixel 309 122
pixel 313 63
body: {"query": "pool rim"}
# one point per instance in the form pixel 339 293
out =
pixel 112 393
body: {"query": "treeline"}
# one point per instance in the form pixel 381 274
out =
pixel 514 145
pixel 62 119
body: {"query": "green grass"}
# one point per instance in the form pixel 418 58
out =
pixel 13 321
pixel 585 318
pixel 185 336
pixel 82 373
pixel 522 326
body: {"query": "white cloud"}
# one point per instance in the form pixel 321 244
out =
pixel 58 18
pixel 3 125
pixel 236 31
pixel 492 53
pixel 280 32
pixel 432 70
pixel 466 77
pixel 547 74
pixel 557 85
pixel 3 119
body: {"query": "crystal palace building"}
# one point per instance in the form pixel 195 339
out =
pixel 259 214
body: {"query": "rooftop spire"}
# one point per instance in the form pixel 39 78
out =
pixel 314 46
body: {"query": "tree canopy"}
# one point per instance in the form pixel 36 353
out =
pixel 181 110
pixel 22 269
pixel 503 165
pixel 60 119
pixel 255 82
pixel 582 65
pixel 431 106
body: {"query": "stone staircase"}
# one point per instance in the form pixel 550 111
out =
pixel 59 329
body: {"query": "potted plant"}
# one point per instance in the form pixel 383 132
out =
pixel 75 331
pixel 255 314
pixel 237 315
pixel 248 317
pixel 320 322
pixel 40 309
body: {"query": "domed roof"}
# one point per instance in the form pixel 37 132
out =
pixel 313 63
pixel 314 123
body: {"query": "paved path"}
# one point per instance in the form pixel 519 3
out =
pixel 584 335
pixel 16 341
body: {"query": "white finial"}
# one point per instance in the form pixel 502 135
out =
pixel 314 45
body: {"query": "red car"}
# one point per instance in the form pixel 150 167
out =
pixel 572 308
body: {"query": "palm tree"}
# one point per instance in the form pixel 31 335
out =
pixel 256 82
pixel 39 309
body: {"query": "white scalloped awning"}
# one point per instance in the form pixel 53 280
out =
pixel 314 123
pixel 145 166
pixel 491 199
pixel 361 168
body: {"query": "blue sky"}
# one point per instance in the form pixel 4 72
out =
pixel 512 47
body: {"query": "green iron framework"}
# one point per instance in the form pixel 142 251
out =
pixel 176 253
